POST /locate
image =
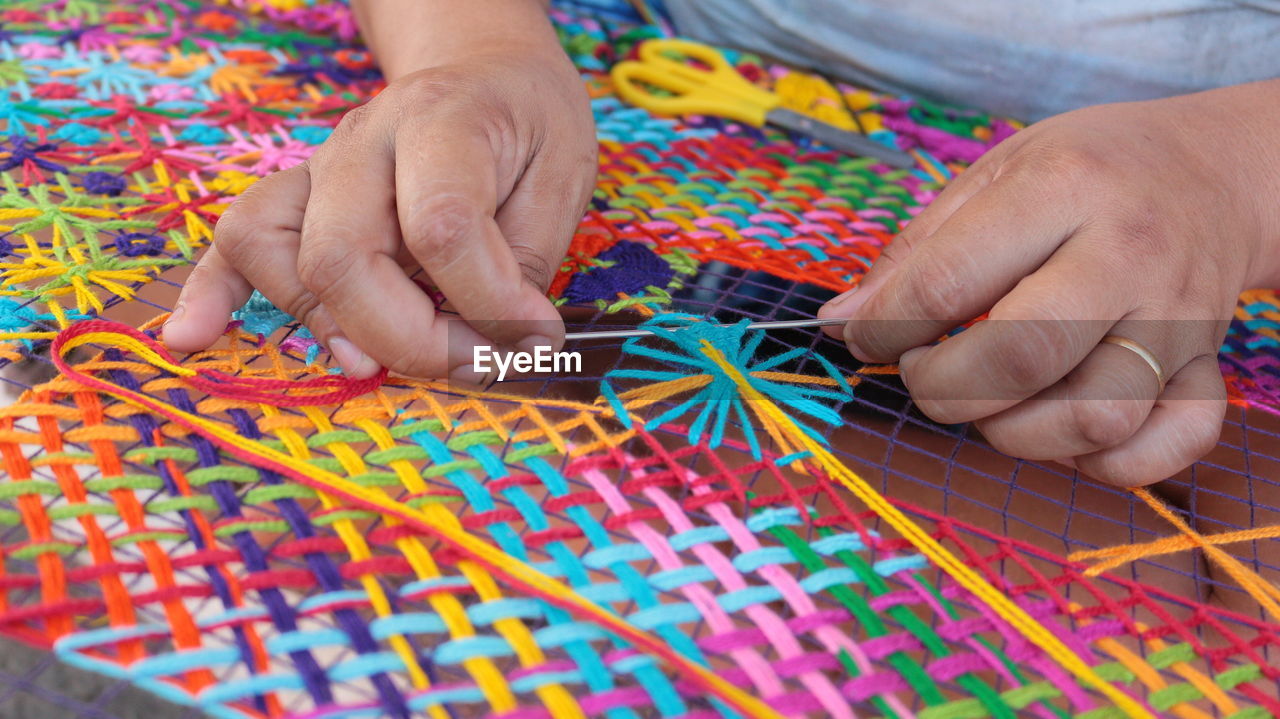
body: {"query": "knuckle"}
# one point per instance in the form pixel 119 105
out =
pixel 535 268
pixel 450 92
pixel 440 223
pixel 356 119
pixel 440 82
pixel 306 308
pixel 1203 428
pixel 323 267
pixel 202 274
pixel 1103 423
pixel 1057 163
pixel 902 245
pixel 232 232
pixel 1026 356
pixel 933 290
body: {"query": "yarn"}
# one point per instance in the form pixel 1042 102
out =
pixel 250 533
pixel 720 395
pixel 521 576
pixel 625 268
pixel 788 432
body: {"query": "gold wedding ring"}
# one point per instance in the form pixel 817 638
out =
pixel 1141 350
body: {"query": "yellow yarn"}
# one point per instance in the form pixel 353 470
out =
pixel 775 420
pixel 391 508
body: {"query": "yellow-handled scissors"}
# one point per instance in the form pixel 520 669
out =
pixel 718 89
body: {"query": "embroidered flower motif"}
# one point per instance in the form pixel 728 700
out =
pixel 680 340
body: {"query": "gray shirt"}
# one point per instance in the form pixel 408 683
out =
pixel 1021 58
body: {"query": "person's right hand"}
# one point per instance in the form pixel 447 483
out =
pixel 476 171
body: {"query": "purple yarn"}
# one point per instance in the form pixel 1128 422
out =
pixel 74 34
pixel 942 144
pixel 636 267
pixel 311 67
pixel 1000 131
pixel 103 183
pixel 136 244
pixel 25 151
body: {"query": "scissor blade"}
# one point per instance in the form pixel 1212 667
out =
pixel 772 325
pixel 842 140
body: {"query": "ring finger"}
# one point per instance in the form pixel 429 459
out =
pixel 1182 427
pixel 1105 399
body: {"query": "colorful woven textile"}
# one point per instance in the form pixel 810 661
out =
pixel 713 523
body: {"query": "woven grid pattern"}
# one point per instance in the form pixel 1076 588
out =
pixel 138 550
pixel 224 582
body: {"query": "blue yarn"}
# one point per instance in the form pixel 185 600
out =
pixel 311 134
pixel 531 682
pixel 496 609
pixel 258 684
pixel 260 317
pixel 78 134
pixel 15 317
pixel 437 697
pixel 592 667
pixel 297 640
pixel 619 410
pixel 410 623
pixel 366 665
pixel 739 599
pixel 824 579
pixel 457 651
pixel 201 134
pixel 689 538
pixel 177 662
pixel 712 403
pixel 764 557
pixel 670 580
pixel 632 586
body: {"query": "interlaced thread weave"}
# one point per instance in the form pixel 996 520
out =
pixel 245 532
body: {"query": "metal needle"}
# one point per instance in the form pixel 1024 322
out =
pixel 771 325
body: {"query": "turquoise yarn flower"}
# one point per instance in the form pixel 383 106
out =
pixel 311 134
pixel 721 396
pixel 258 316
pixel 78 134
pixel 16 317
pixel 202 134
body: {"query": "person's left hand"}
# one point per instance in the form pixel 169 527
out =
pixel 1139 220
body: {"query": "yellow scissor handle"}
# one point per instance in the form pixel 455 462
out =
pixel 719 90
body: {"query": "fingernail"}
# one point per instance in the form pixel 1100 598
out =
pixel 466 374
pixel 531 343
pixel 353 362
pixel 179 310
pixel 907 361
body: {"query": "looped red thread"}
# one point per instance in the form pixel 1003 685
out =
pixel 275 392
